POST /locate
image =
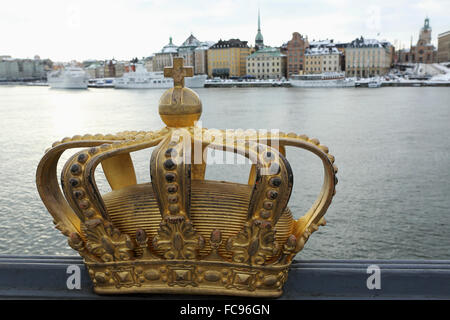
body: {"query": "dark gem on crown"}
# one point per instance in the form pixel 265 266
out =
pixel 78 194
pixel 272 194
pixel 82 158
pixel 74 182
pixel 173 198
pixel 169 164
pixel 172 188
pixel 75 169
pixel 170 177
pixel 275 182
pixel 171 152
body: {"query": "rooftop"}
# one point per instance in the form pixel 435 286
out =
pixel 232 43
pixel 274 52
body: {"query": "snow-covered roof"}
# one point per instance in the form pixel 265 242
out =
pixel 371 43
pixel 321 50
pixel 169 48
pixel 321 43
pixel 205 45
pixel 191 41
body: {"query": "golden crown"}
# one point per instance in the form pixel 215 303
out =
pixel 182 233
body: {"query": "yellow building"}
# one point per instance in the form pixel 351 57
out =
pixel 228 58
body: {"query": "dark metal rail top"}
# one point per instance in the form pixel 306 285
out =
pixel 45 277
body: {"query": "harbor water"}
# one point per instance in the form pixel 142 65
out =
pixel 391 145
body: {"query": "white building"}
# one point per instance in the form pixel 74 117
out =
pixel 164 58
pixel 322 58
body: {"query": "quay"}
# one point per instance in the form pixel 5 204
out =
pixel 46 277
pixel 407 84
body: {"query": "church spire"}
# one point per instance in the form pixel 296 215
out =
pixel 259 40
pixel 259 22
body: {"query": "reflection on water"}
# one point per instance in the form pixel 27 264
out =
pixel 391 146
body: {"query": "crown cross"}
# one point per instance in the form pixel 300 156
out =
pixel 178 72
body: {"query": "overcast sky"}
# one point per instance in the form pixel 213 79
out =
pixel 103 29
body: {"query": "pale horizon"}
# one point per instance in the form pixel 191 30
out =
pixel 82 30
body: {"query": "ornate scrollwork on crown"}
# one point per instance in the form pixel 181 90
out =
pixel 178 239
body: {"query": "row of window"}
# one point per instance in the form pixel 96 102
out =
pixel 262 64
pixel 263 58
pixel 323 69
pixel 318 62
pixel 262 70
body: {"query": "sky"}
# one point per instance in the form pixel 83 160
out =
pixel 122 29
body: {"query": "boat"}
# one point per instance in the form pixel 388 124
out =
pixel 374 83
pixel 327 80
pixel 101 83
pixel 143 79
pixel 68 78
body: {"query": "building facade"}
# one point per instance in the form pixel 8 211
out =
pixel 187 50
pixel 201 57
pixel 228 58
pixel 24 69
pixel 367 58
pixel 267 63
pixel 443 52
pixel 295 52
pixel 165 57
pixel 322 59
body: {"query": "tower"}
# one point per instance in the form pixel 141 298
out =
pixel 425 33
pixel 259 40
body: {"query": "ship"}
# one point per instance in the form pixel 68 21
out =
pixel 327 80
pixel 143 79
pixel 68 78
pixel 101 83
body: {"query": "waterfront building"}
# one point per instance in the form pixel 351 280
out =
pixel 267 63
pixel 201 57
pixel 228 58
pixel 295 51
pixel 423 51
pixel 194 53
pixel 322 58
pixel 187 50
pixel 24 69
pixel 110 68
pixel 259 40
pixel 91 70
pixel 165 57
pixel 367 58
pixel 443 53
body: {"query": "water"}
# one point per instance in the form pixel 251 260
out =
pixel 391 146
